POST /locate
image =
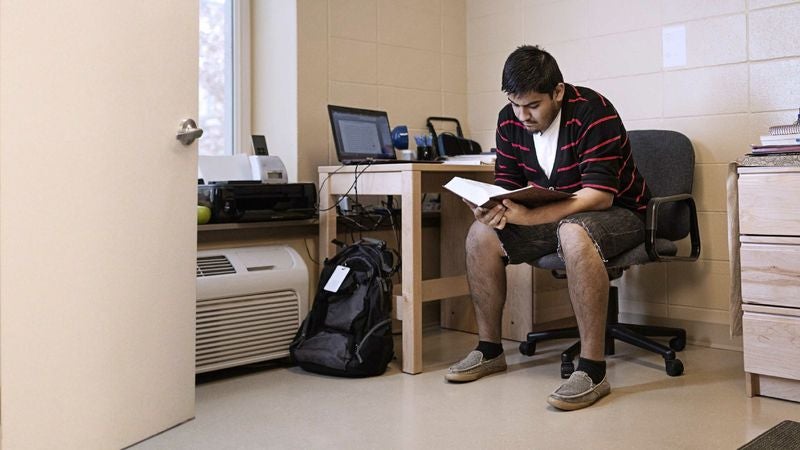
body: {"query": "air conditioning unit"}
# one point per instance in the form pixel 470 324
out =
pixel 250 302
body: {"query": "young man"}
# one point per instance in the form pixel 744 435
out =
pixel 569 138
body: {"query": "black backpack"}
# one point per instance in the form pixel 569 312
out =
pixel 349 332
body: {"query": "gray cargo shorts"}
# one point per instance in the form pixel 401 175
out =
pixel 613 231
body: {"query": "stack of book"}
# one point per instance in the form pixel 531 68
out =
pixel 781 139
pixel 779 130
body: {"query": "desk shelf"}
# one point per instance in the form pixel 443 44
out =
pixel 256 225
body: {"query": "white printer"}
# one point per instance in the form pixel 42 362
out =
pixel 265 168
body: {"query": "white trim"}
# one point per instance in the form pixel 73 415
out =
pixel 229 76
pixel 241 77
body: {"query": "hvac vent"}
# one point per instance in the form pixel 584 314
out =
pixel 252 314
pixel 208 266
pixel 240 330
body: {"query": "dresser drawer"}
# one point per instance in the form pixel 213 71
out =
pixel 769 203
pixel 771 274
pixel 772 344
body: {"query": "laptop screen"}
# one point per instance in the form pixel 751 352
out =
pixel 360 134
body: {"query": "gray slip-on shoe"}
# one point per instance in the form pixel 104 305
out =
pixel 578 392
pixel 474 366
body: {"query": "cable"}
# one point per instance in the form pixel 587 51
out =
pixel 356 184
pixel 395 231
pixel 352 186
pixel 305 242
pixel 359 225
pixel 319 192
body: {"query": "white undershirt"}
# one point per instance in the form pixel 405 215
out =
pixel 546 144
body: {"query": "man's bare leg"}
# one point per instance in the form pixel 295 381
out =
pixel 486 274
pixel 588 288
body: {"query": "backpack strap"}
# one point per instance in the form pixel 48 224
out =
pixel 372 241
pixel 388 258
pixel 388 267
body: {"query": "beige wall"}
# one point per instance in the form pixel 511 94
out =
pixel 407 57
pixel 741 75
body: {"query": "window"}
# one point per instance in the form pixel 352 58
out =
pixel 223 88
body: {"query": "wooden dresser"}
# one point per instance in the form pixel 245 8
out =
pixel 769 232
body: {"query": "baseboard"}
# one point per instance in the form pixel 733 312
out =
pixel 713 335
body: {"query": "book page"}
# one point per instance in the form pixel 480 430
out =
pixel 474 191
pixel 487 195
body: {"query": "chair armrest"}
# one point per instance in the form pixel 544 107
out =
pixel 651 227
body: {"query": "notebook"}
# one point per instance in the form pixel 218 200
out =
pixel 363 136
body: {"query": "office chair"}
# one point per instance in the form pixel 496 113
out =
pixel 666 160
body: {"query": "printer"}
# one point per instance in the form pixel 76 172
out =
pixel 243 188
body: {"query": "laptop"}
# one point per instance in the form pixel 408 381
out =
pixel 363 136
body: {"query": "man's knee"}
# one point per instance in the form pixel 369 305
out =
pixel 483 240
pixel 574 239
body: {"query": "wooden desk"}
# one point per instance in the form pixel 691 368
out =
pixel 409 181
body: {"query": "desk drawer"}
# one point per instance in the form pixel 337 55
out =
pixel 769 204
pixel 771 274
pixel 772 344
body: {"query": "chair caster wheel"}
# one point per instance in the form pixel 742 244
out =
pixel 674 367
pixel 677 343
pixel 566 369
pixel 527 348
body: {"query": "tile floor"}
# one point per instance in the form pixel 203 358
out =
pixel 283 407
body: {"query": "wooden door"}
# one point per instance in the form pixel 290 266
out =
pixel 97 221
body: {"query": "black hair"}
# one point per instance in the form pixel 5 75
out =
pixel 530 69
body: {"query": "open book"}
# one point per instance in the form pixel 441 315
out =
pixel 487 195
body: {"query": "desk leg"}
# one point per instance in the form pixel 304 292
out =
pixel 751 384
pixel 327 220
pixel 457 313
pixel 412 271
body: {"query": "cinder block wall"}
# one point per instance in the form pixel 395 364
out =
pixel 406 57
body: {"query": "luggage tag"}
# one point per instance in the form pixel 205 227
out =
pixel 336 279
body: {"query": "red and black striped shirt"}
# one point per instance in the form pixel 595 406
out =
pixel 593 151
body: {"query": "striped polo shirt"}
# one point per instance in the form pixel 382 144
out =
pixel 593 151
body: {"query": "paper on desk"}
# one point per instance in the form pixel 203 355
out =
pixel 481 158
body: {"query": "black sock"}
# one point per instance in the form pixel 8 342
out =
pixel 490 350
pixel 595 369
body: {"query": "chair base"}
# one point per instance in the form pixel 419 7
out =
pixel 637 335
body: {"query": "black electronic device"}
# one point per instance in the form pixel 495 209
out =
pixel 252 201
pixel 449 144
pixel 260 145
pixel 363 136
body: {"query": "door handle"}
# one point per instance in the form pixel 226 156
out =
pixel 188 132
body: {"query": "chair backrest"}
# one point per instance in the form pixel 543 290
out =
pixel 666 160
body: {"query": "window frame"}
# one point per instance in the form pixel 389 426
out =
pixel 241 78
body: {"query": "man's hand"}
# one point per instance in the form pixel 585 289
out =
pixel 491 217
pixel 516 213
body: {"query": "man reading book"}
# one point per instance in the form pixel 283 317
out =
pixel 568 138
